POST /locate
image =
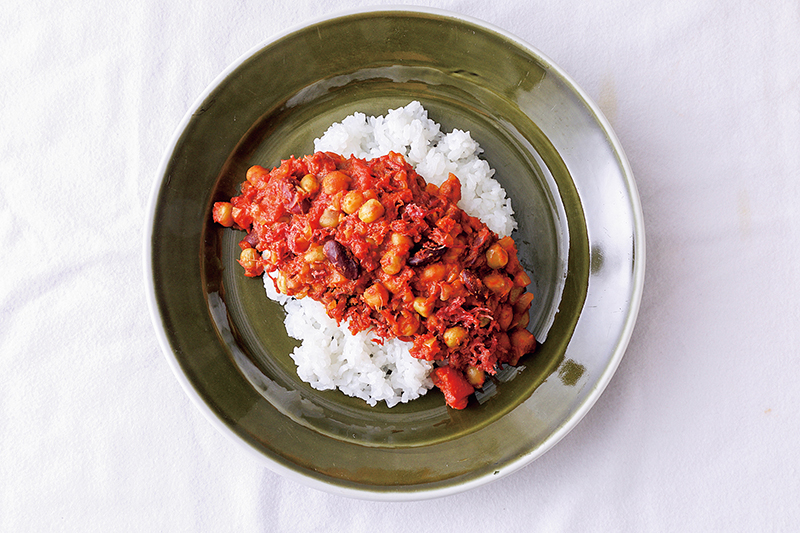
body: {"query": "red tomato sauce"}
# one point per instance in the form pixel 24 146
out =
pixel 387 252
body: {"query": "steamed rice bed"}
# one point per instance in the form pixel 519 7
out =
pixel 330 356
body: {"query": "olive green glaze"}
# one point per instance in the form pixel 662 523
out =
pixel 228 339
pixel 571 372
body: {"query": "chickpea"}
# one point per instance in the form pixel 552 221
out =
pixel 515 293
pixel 282 282
pixel 422 306
pixel 496 256
pixel 334 182
pixel 522 320
pixel 329 218
pixel 293 284
pixel 453 273
pixel 523 303
pixel 376 296
pixel 498 283
pixel 407 325
pixel 451 188
pixel 401 241
pixel 301 294
pixel 223 213
pixel 256 174
pixel 505 316
pixel 395 285
pixel 458 288
pixel 391 262
pixel 446 291
pixel 298 243
pixel 352 201
pixel 337 279
pixel 522 342
pixel 248 257
pixel 475 376
pixel 309 184
pixel 454 336
pixel 370 211
pixel 452 253
pixel 336 201
pixel 315 254
pixel 433 273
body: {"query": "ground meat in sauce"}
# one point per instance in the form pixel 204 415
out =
pixel 386 252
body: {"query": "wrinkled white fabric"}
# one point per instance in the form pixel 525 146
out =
pixel 697 430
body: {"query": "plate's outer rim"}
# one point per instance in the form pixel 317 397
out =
pixel 415 493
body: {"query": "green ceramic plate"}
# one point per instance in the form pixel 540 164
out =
pixel 580 233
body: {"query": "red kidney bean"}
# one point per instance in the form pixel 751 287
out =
pixel 427 255
pixel 471 281
pixel 251 239
pixel 341 259
pixel 300 207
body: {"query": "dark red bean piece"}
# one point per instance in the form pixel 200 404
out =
pixel 341 259
pixel 427 255
pixel 251 239
pixel 477 247
pixel 471 281
pixel 301 207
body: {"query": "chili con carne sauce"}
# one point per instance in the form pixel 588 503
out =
pixel 385 251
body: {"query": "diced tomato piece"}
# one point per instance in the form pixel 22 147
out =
pixel 454 386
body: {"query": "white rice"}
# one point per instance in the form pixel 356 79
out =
pixel 330 356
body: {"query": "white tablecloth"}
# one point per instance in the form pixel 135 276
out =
pixel 698 429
